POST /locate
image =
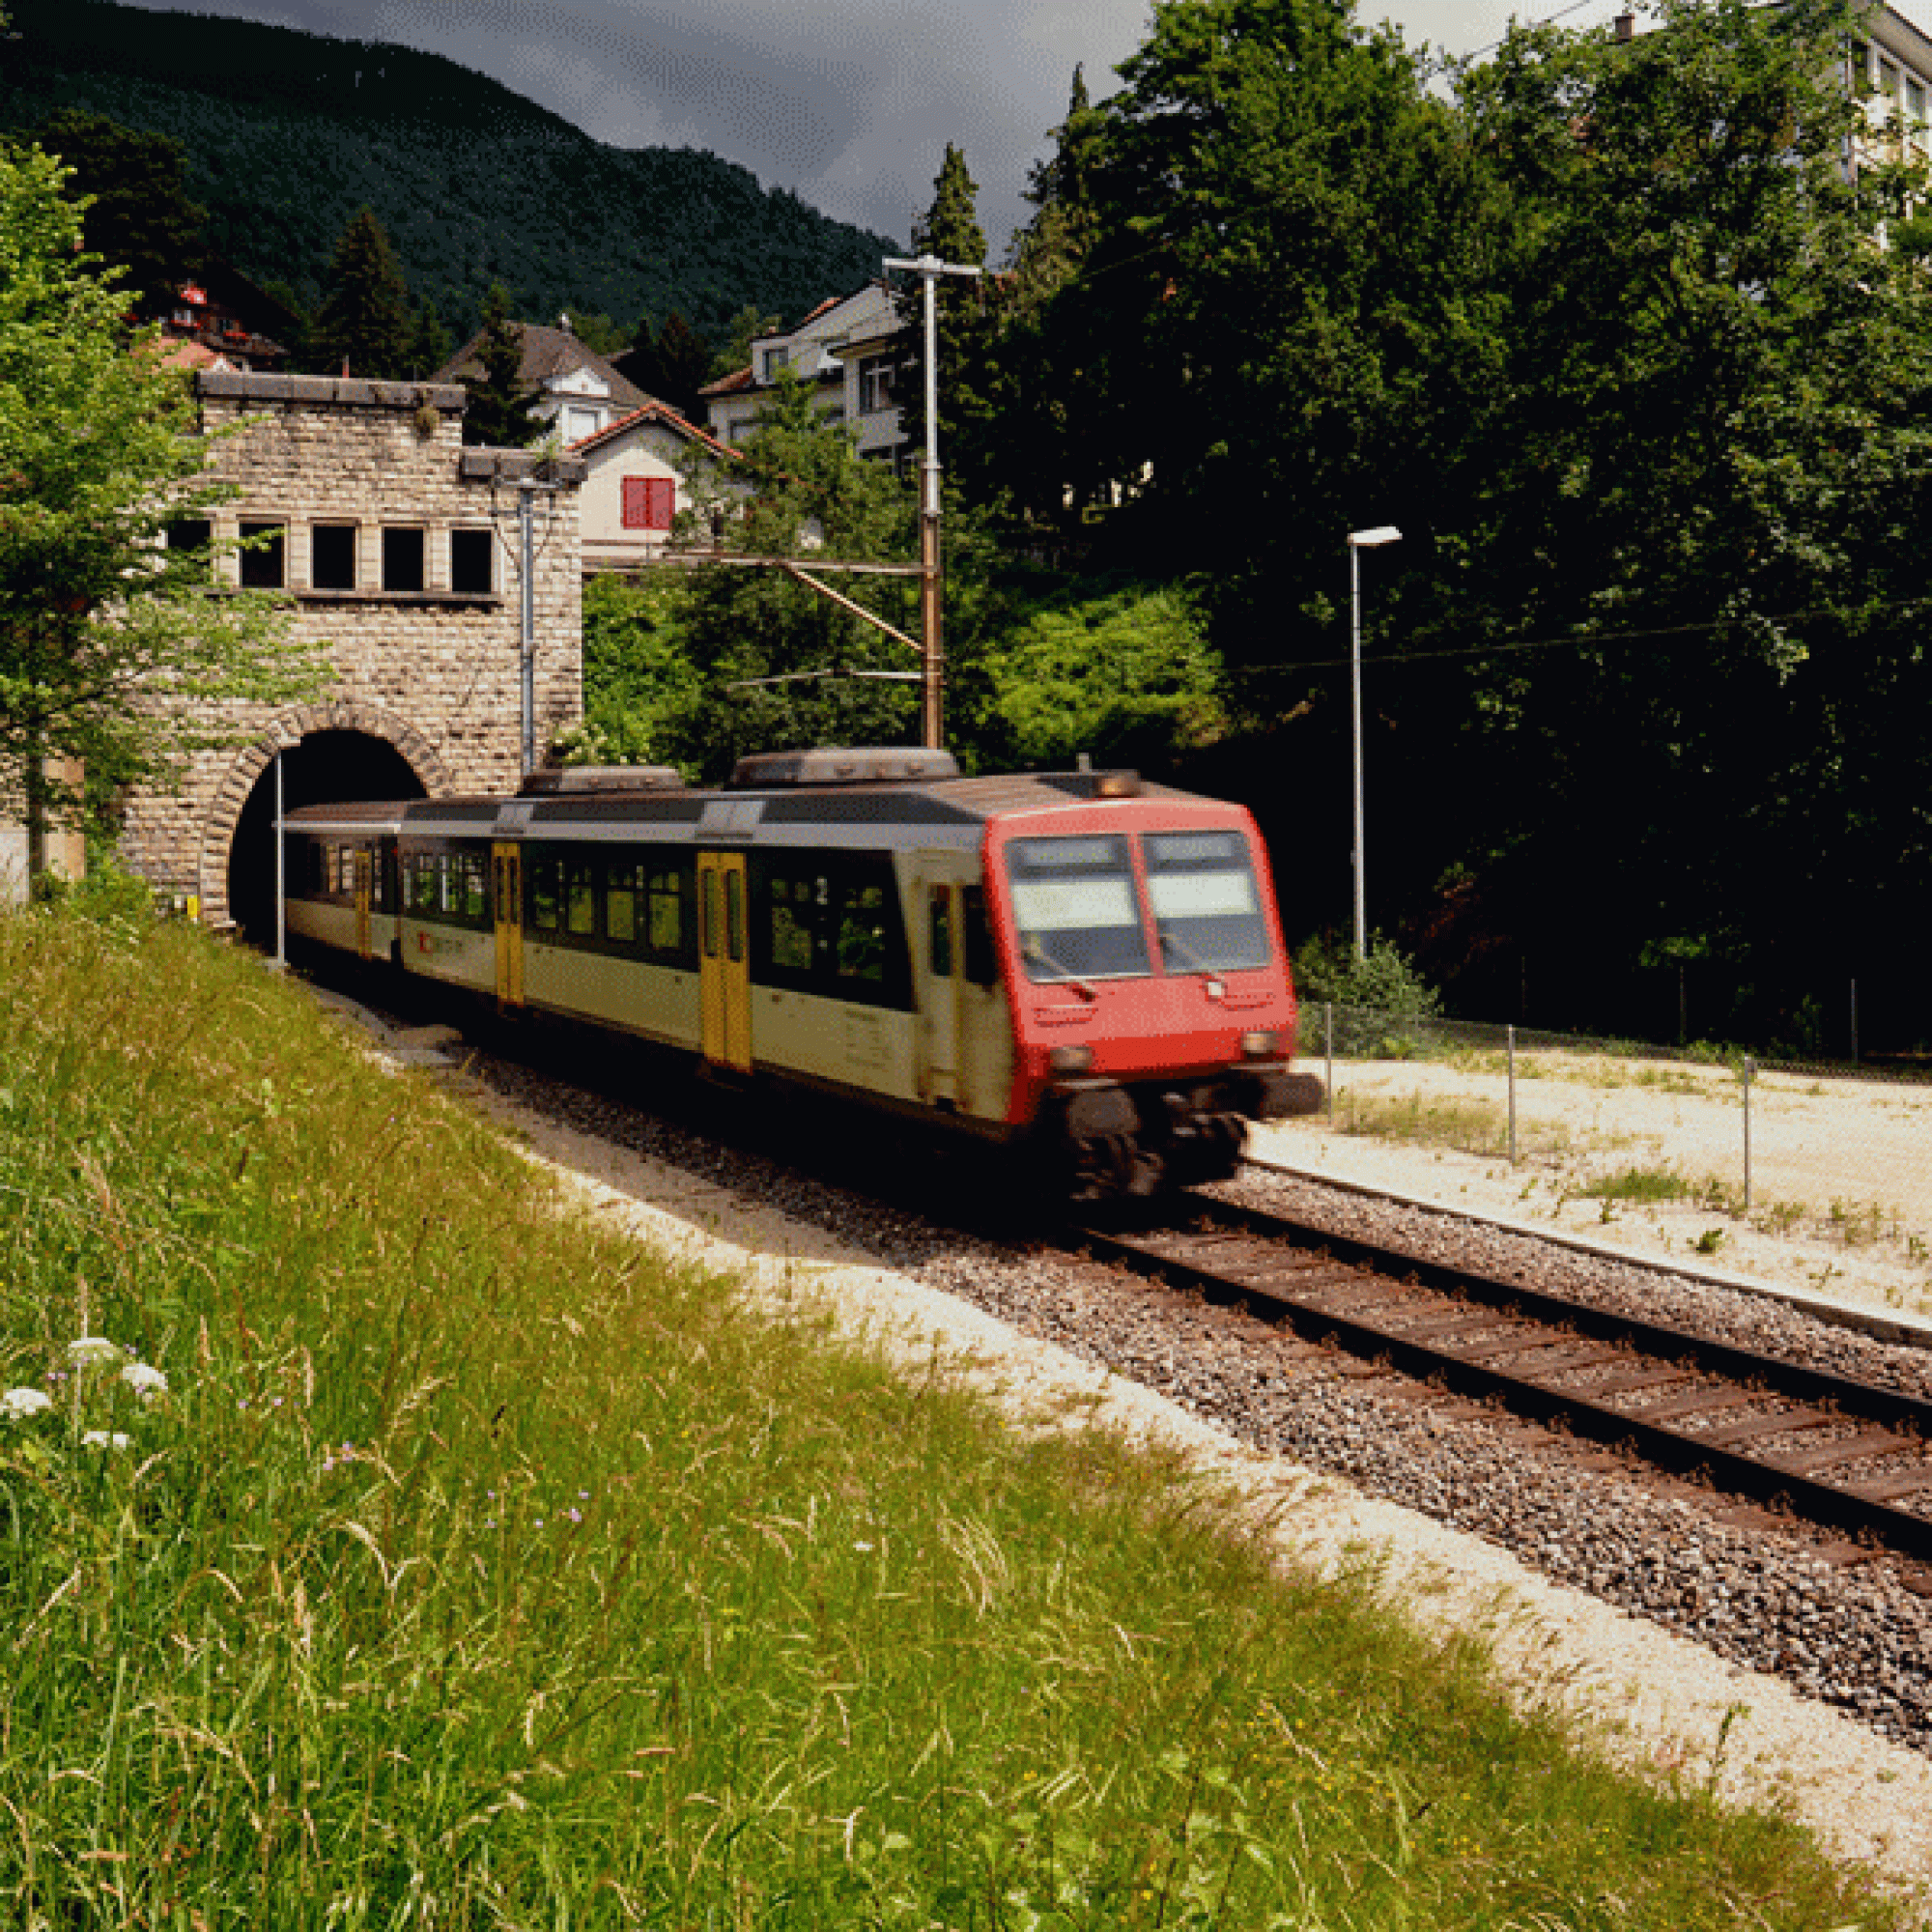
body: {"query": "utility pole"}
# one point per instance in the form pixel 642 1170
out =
pixel 932 646
pixel 526 523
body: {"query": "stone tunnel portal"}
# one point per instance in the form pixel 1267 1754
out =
pixel 325 768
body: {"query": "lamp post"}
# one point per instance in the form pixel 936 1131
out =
pixel 933 650
pixel 1359 542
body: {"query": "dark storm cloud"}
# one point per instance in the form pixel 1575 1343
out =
pixel 848 102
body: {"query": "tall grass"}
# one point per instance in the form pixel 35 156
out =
pixel 479 1569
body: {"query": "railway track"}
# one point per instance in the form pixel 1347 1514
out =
pixel 1839 1453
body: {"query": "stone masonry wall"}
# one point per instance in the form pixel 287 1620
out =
pixel 435 673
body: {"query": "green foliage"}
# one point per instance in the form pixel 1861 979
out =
pixel 363 327
pixel 1121 670
pixel 640 689
pixel 111 650
pixel 1384 981
pixel 745 328
pixel 949 230
pixel 497 416
pixel 288 133
pixel 683 367
pixel 800 484
pixel 430 346
pixel 140 218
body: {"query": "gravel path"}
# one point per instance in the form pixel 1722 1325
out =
pixel 1556 1539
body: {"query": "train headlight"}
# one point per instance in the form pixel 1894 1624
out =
pixel 1259 1045
pixel 1071 1059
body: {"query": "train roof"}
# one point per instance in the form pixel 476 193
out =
pixel 941 811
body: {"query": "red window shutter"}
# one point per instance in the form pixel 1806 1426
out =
pixel 661 502
pixel 637 502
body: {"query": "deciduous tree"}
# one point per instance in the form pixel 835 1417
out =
pixel 111 650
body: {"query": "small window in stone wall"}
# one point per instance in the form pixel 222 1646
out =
pixel 470 562
pixel 332 557
pixel 263 556
pixel 189 533
pixel 402 559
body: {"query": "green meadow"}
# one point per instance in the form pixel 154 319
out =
pixel 398 1550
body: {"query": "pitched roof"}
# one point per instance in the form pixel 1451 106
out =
pixel 732 385
pixel 548 353
pixel 653 412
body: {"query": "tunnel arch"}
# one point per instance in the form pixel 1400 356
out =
pixel 332 753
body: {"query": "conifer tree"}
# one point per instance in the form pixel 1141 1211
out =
pixel 640 364
pixel 363 324
pixel 498 415
pixel 950 230
pixel 684 364
pixel 429 341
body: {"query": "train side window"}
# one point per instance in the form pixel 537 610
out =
pixel 940 932
pixel 318 870
pixel 859 947
pixel 792 924
pixel 620 903
pixel 734 914
pixel 982 969
pixel 446 886
pixel 710 914
pixel 544 895
pixel 665 921
pixel 475 894
pixel 581 897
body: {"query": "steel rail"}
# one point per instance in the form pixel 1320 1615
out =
pixel 1302 1291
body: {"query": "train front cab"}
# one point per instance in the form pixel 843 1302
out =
pixel 1152 1011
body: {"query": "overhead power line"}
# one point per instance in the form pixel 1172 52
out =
pixel 1584 641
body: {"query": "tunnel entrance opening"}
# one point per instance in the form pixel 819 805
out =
pixel 326 768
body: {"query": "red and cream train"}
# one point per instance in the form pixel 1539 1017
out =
pixel 1078 964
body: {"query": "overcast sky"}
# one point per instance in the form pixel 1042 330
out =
pixel 849 103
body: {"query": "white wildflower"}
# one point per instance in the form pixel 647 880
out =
pixel 146 1382
pixel 18 1403
pixel 107 1439
pixel 92 1351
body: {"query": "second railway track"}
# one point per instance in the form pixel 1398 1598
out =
pixel 1839 1453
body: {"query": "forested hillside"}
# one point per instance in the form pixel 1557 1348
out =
pixel 288 133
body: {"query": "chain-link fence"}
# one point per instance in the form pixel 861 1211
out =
pixel 1787 1143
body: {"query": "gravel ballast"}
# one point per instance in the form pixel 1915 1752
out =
pixel 1736 1652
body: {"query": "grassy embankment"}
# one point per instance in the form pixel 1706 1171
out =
pixel 478 1570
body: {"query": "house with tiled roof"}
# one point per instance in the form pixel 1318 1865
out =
pixel 575 391
pixel 235 324
pixel 638 476
pixel 848 349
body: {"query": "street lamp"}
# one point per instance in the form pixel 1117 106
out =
pixel 1359 542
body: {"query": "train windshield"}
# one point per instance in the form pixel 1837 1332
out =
pixel 1077 909
pixel 1207 906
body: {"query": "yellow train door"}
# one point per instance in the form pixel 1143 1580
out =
pixel 507 868
pixel 364 864
pixel 724 965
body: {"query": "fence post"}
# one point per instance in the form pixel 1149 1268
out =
pixel 1750 1067
pixel 1510 1031
pixel 1328 1009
